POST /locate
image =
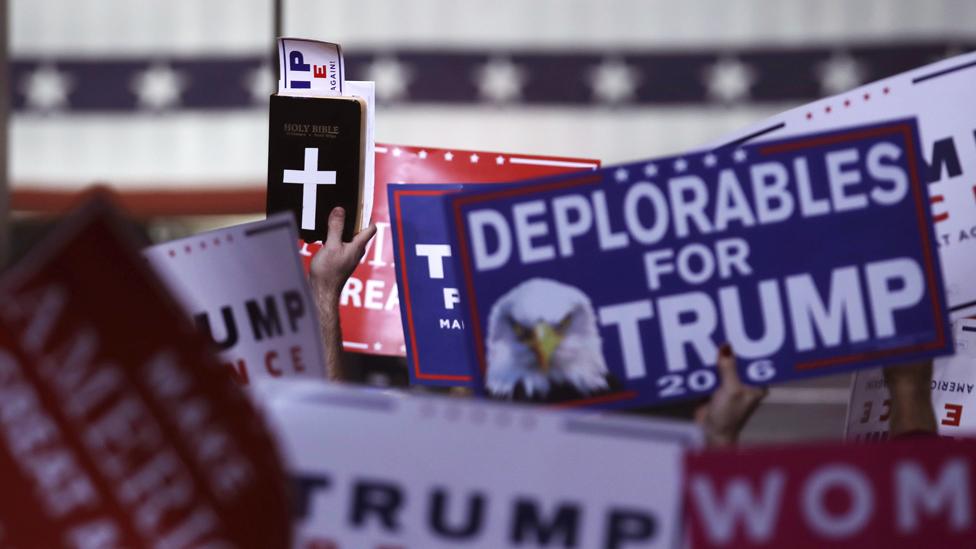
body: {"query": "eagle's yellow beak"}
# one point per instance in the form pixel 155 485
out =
pixel 545 340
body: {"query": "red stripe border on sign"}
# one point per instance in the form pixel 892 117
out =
pixel 407 304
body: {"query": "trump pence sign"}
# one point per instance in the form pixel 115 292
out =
pixel 430 295
pixel 244 288
pixel 615 288
pixel 953 389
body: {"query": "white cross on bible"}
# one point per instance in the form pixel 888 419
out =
pixel 309 178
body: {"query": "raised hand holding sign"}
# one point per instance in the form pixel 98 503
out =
pixel 810 256
pixel 328 272
pixel 369 301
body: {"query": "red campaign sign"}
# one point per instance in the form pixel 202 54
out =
pixel 117 426
pixel 908 493
pixel 369 307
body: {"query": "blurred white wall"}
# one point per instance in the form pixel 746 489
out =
pixel 611 135
pixel 624 23
pixel 174 147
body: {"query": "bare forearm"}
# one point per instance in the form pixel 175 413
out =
pixel 327 302
pixel 912 415
pixel 911 398
pixel 730 407
pixel 330 269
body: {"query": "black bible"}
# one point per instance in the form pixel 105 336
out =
pixel 316 161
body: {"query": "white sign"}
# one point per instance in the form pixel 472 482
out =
pixel 244 287
pixel 367 90
pixel 953 393
pixel 940 95
pixel 373 469
pixel 310 66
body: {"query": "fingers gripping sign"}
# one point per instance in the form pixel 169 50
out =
pixel 335 261
pixel 731 405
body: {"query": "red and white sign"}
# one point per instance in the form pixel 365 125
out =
pixel 244 287
pixel 117 426
pixel 953 393
pixel 909 493
pixel 378 470
pixel 369 306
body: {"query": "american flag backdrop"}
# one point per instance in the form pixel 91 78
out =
pixel 172 94
pixel 168 98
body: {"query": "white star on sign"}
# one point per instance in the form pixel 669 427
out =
pixel 392 78
pixel 474 158
pixel 680 165
pixel 500 80
pixel 422 155
pixel 158 87
pixel 46 88
pixel 729 80
pixel 739 155
pixel 448 156
pixel 839 74
pixel 260 83
pixel 397 151
pixel 709 160
pixel 621 175
pixel 613 81
pixel 650 170
pixel 500 160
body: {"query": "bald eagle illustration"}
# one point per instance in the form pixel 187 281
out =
pixel 543 345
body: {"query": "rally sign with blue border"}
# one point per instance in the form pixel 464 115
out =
pixel 811 256
pixel 428 285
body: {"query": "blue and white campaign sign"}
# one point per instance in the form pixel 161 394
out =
pixel 373 469
pixel 429 290
pixel 430 296
pixel 940 97
pixel 811 256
